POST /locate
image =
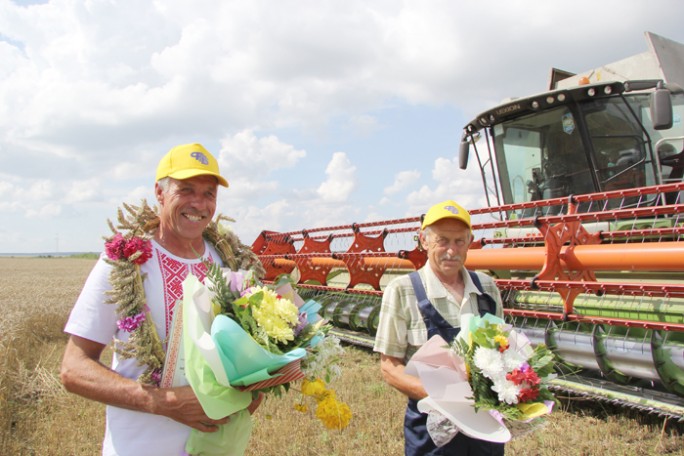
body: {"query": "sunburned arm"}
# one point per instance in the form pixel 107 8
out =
pixel 82 373
pixel 393 373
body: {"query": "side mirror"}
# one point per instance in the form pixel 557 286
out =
pixel 463 152
pixel 661 109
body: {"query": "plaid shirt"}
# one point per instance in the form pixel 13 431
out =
pixel 401 330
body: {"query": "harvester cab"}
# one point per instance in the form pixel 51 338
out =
pixel 586 139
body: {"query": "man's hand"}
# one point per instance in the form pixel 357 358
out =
pixel 393 372
pixel 180 404
pixel 83 374
pixel 251 408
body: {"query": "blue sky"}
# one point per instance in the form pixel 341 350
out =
pixel 320 112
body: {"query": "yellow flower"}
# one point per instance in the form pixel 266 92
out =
pixel 333 414
pixel 301 408
pixel 276 316
pixel 314 388
pixel 533 410
pixel 215 308
pixel 502 342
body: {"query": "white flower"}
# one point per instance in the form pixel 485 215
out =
pixel 512 360
pixel 507 390
pixel 495 365
pixel 489 361
pixel 322 359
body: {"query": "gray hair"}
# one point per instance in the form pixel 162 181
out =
pixel 164 183
pixel 426 232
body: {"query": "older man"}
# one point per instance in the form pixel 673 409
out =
pixel 142 418
pixel 427 302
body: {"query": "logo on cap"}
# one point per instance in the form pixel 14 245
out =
pixel 451 209
pixel 200 157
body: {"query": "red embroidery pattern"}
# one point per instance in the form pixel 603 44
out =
pixel 173 273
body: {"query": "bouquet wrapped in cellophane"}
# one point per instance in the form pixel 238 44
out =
pixel 489 383
pixel 242 338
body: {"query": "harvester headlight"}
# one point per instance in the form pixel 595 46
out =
pixel 561 97
pixel 607 90
pixel 535 104
pixel 550 100
pixel 591 92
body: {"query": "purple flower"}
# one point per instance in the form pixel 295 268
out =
pixel 236 280
pixel 248 290
pixel 303 321
pixel 130 324
pixel 156 376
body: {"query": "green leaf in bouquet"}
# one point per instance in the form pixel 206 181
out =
pixel 546 395
pixel 486 335
pixel 461 347
pixel 225 297
pixel 481 387
pixel 543 361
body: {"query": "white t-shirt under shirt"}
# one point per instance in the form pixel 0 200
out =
pixel 127 432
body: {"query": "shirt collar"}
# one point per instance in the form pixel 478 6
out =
pixel 435 289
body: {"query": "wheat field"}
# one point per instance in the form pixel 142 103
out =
pixel 37 417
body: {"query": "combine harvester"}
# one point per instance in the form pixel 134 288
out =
pixel 584 233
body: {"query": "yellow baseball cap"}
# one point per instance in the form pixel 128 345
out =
pixel 446 209
pixel 189 160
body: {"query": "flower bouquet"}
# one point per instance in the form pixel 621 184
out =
pixel 241 338
pixel 489 383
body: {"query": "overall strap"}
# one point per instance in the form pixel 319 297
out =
pixel 434 321
pixel 418 287
pixel 485 303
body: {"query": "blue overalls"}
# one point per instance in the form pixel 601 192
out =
pixel 417 440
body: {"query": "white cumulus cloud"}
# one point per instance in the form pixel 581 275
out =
pixel 402 180
pixel 245 152
pixel 341 179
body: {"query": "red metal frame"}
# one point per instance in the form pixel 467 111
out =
pixel 561 236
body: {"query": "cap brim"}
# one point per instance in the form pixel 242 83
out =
pixel 188 173
pixel 428 222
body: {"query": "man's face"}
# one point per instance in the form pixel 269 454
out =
pixel 187 207
pixel 446 242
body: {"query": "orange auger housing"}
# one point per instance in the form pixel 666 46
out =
pixel 604 289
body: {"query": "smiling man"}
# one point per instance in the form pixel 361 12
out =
pixel 430 302
pixel 150 417
pixel 186 189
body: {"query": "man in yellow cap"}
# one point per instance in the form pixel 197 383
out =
pixel 150 417
pixel 428 302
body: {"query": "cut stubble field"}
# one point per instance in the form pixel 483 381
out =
pixel 37 417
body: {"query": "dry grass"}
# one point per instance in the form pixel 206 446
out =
pixel 38 418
